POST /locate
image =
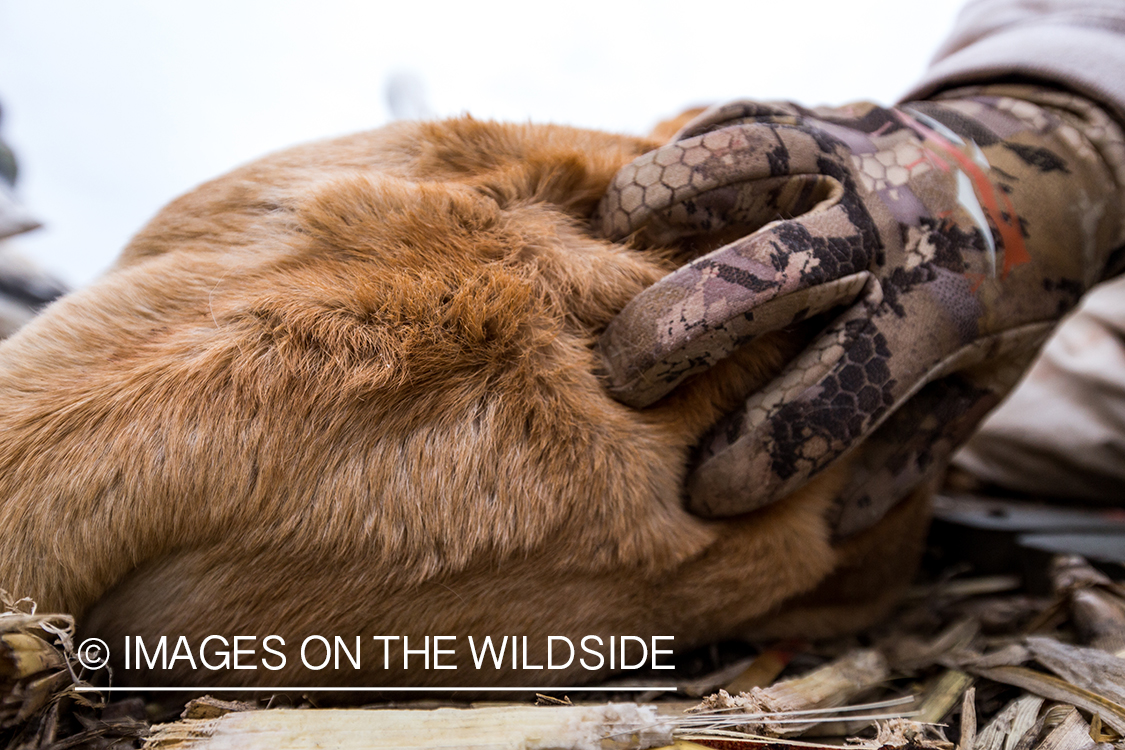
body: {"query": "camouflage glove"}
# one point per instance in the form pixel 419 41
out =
pixel 941 240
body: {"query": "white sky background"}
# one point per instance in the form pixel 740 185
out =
pixel 115 107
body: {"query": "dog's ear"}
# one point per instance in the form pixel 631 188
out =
pixel 522 164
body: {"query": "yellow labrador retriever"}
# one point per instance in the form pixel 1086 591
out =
pixel 349 392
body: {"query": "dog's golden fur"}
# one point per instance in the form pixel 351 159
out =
pixel 349 389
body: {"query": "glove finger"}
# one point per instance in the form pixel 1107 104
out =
pixel 699 314
pixel 740 176
pixel 863 368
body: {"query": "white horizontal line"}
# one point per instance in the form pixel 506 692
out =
pixel 615 689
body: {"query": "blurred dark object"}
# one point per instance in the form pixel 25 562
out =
pixel 24 287
pixel 1006 536
pixel 14 218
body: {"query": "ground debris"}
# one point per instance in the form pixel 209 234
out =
pixel 43 698
pixel 209 707
pixel 976 660
pixel 1034 684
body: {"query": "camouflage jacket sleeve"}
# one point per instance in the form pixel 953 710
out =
pixel 1062 432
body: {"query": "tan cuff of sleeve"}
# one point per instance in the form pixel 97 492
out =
pixel 1082 50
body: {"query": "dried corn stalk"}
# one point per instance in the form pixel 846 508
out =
pixel 832 685
pixel 1096 603
pixel 1051 687
pixel 34 672
pixel 1009 725
pixel 602 727
pixel 1088 668
pixel 968 720
pixel 1073 733
pixel 942 696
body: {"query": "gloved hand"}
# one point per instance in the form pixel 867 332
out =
pixel 942 239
